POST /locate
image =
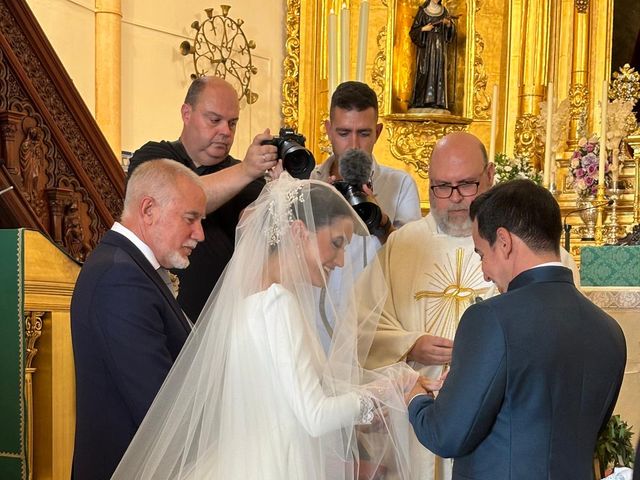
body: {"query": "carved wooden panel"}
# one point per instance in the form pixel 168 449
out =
pixel 67 182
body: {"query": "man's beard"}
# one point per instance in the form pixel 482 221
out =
pixel 177 260
pixel 456 227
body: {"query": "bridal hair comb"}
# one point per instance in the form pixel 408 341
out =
pixel 281 215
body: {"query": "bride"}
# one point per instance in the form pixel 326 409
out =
pixel 253 394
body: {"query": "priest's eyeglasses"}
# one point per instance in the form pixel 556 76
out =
pixel 467 189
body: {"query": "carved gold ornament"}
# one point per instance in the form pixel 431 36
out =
pixel 290 87
pixel 481 100
pixel 578 99
pixel 379 66
pixel 412 142
pixel 291 77
pixel 582 6
pixel 625 85
pixel 526 136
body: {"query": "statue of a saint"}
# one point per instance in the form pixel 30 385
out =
pixel 432 30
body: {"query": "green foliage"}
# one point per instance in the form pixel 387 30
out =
pixel 510 169
pixel 614 448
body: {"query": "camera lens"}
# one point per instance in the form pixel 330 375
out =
pixel 364 205
pixel 296 159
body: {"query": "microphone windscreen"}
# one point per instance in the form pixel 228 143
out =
pixel 355 166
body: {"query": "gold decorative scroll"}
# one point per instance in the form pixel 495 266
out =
pixel 481 101
pixel 578 100
pixel 291 78
pixel 379 66
pixel 33 330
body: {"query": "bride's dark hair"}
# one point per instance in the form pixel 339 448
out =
pixel 326 207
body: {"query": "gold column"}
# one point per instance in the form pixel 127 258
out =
pixel 108 66
pixel 579 92
pixel 536 23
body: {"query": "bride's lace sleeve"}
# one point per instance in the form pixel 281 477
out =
pixel 294 353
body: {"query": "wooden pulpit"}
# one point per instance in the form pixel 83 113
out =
pixel 37 392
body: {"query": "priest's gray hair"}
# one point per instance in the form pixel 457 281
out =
pixel 157 179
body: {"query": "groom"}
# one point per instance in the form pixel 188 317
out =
pixel 536 371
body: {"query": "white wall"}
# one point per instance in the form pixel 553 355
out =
pixel 155 76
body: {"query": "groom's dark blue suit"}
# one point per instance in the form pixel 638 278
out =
pixel 535 373
pixel 127 330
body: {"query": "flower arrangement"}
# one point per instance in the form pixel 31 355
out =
pixel 584 165
pixel 510 169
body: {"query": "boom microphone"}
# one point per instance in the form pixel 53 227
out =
pixel 356 166
pixel 567 227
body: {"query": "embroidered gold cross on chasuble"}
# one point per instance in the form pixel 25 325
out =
pixel 455 284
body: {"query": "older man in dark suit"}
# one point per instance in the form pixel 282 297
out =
pixel 536 371
pixel 127 327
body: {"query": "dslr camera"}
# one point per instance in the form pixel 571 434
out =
pixel 296 159
pixel 365 206
pixel 356 167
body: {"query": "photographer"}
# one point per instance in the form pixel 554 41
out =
pixel 353 124
pixel 210 114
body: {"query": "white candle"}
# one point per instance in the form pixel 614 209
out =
pixel 344 30
pixel 362 40
pixel 332 52
pixel 548 142
pixel 603 133
pixel 494 124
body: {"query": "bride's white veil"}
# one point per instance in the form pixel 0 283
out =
pixel 253 394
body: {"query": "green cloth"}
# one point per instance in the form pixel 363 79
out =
pixel 610 266
pixel 13 463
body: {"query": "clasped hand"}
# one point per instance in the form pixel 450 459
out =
pixel 431 350
pixel 426 385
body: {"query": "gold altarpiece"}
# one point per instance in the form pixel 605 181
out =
pixel 519 45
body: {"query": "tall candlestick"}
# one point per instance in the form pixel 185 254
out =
pixel 494 124
pixel 362 40
pixel 603 133
pixel 344 30
pixel 615 167
pixel 548 147
pixel 332 51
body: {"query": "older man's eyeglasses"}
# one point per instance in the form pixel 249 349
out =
pixel 467 189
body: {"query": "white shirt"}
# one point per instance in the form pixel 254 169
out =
pixel 140 245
